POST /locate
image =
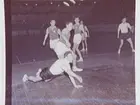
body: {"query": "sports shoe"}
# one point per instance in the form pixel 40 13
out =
pixel 83 50
pixel 80 60
pixel 77 69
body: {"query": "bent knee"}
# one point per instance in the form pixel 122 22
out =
pixel 129 40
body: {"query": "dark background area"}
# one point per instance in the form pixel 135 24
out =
pixel 30 18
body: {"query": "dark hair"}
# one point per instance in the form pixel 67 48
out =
pixel 67 53
pixel 68 22
pixel 124 18
pixel 52 20
pixel 77 17
pixel 74 17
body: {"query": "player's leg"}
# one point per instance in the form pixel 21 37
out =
pixel 36 78
pixel 31 78
pixel 83 44
pixel 79 53
pixel 74 66
pixel 120 46
pixel 131 44
pixel 86 45
pixel 77 40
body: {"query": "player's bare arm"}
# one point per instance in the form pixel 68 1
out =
pixel 46 36
pixel 118 33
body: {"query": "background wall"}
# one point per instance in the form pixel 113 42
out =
pixel 29 20
pixel 29 46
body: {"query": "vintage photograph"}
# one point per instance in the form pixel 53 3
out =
pixel 72 52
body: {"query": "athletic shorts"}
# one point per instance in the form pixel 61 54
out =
pixel 60 49
pixel 45 74
pixel 53 43
pixel 77 39
pixel 125 36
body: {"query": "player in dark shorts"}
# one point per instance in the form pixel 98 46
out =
pixel 124 33
pixel 60 67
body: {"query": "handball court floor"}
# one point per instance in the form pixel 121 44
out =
pixel 108 79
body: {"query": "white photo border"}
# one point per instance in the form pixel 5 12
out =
pixel 137 53
pixel 3 53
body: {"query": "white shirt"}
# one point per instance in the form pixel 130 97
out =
pixel 59 66
pixel 124 27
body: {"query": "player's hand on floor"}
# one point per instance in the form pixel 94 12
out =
pixel 43 43
pixel 80 79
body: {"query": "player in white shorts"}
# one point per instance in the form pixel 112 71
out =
pixel 77 37
pixel 54 33
pixel 85 35
pixel 60 67
pixel 124 33
pixel 63 45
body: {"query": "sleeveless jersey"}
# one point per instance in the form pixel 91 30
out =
pixel 77 29
pixel 65 33
pixel 53 33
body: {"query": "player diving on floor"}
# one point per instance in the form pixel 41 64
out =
pixel 59 67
